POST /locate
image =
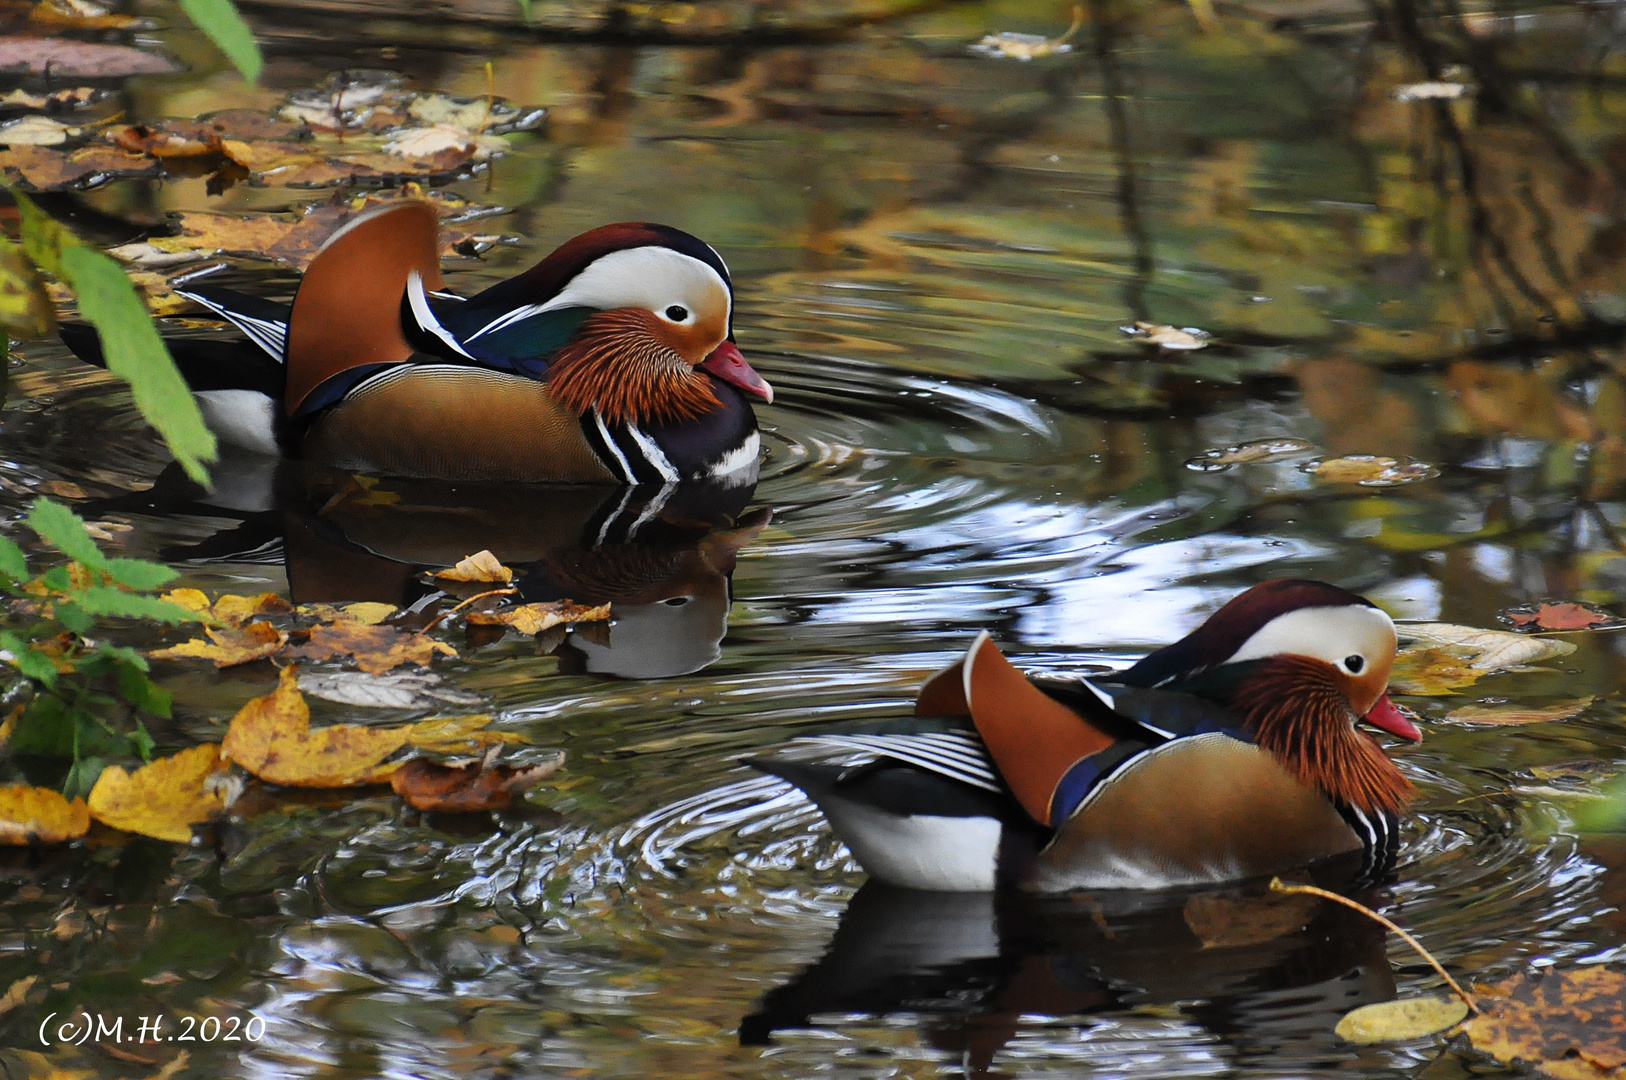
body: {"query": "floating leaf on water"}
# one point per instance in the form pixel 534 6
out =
pixel 477 787
pixel 481 567
pixel 1012 46
pixel 1568 1024
pixel 228 646
pixel 36 131
pixel 1560 615
pixel 474 114
pixel 1488 650
pixel 42 169
pixel 271 737
pixel 1430 91
pixel 76 97
pixel 1370 470
pixel 1226 922
pixel 459 735
pixel 163 799
pixel 399 690
pixel 31 815
pixel 1402 1020
pixel 1511 715
pixel 375 649
pixel 1254 452
pixel 1431 672
pixel 63 57
pixel 1169 337
pixel 532 619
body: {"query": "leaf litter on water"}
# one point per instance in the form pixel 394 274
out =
pixel 1370 470
pixel 1560 616
pixel 162 799
pixel 31 815
pixel 1568 1024
pixel 1174 338
pixel 1256 451
pixel 469 788
pixel 1504 714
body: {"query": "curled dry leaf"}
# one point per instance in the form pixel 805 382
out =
pixel 1515 715
pixel 163 799
pixel 1169 337
pixel 532 619
pixel 374 649
pixel 1560 615
pixel 1258 450
pixel 228 646
pixel 1224 922
pixel 1370 470
pixel 477 787
pixel 481 567
pixel 1402 1020
pixel 1488 650
pixel 271 737
pixel 31 815
pixel 1568 1024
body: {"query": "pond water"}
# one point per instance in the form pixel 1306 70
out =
pixel 936 252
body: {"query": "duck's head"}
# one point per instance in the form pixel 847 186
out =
pixel 657 307
pixel 1301 663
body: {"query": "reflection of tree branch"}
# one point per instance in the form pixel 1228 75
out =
pixel 1113 98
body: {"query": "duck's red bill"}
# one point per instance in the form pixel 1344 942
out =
pixel 1386 717
pixel 727 364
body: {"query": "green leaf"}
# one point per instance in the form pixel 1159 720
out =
pixel 30 661
pixel 141 741
pixel 57 580
pixel 43 729
pixel 13 563
pixel 123 654
pixel 63 530
pixel 25 309
pixel 142 692
pixel 73 617
pixel 131 347
pixel 139 574
pixel 106 600
pixel 226 28
pixel 82 777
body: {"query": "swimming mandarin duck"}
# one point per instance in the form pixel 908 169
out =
pixel 610 361
pixel 1232 753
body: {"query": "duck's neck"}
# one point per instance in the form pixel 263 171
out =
pixel 616 365
pixel 1295 710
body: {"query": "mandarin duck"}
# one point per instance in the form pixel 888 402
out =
pixel 1232 753
pixel 610 361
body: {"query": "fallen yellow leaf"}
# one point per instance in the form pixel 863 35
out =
pixel 163 799
pixel 31 815
pixel 1512 715
pixel 271 737
pixel 458 735
pixel 482 566
pixel 375 649
pixel 1569 1024
pixel 535 618
pixel 1431 672
pixel 231 646
pixel 1399 1021
pixel 1369 470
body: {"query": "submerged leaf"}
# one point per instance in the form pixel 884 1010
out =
pixel 1514 715
pixel 1431 672
pixel 1169 337
pixel 1256 451
pixel 1402 1020
pixel 1569 1024
pixel 374 649
pixel 31 815
pixel 228 646
pixel 163 799
pixel 477 787
pixel 1225 922
pixel 459 735
pixel 271 737
pixel 400 690
pixel 1370 470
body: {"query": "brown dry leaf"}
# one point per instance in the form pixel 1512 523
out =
pixel 1370 470
pixel 17 993
pixel 1258 450
pixel 1514 715
pixel 78 58
pixel 1402 1020
pixel 1488 650
pixel 532 619
pixel 271 737
pixel 1560 615
pixel 235 610
pixel 162 799
pixel 110 161
pixel 251 235
pixel 228 646
pixel 1431 672
pixel 367 612
pixel 459 735
pixel 42 169
pixel 75 97
pixel 160 143
pixel 1169 337
pixel 1569 1024
pixel 476 787
pixel 375 649
pixel 63 489
pixel 261 157
pixel 481 567
pixel 36 131
pixel 31 815
pixel 1223 922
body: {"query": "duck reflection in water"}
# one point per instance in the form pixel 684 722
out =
pixel 1271 974
pixel 662 557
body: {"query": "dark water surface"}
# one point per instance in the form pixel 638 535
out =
pixel 935 252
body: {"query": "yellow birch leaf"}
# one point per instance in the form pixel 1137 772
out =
pixel 1513 715
pixel 191 599
pixel 1402 1020
pixel 230 646
pixel 535 618
pixel 163 799
pixel 1431 672
pixel 458 735
pixel 482 566
pixel 236 610
pixel 31 815
pixel 271 737
pixel 368 613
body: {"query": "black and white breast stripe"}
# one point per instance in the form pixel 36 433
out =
pixel 630 454
pixel 1380 839
pixel 957 755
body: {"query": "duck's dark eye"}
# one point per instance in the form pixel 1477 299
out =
pixel 1354 664
pixel 677 313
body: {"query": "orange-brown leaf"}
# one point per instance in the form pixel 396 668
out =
pixel 1512 715
pixel 482 567
pixel 375 649
pixel 535 618
pixel 1570 1024
pixel 271 737
pixel 163 799
pixel 31 815
pixel 427 786
pixel 1560 615
pixel 229 646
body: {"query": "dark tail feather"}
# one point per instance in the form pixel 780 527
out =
pixel 205 363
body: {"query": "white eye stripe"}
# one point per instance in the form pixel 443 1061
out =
pixel 1332 634
pixel 653 278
